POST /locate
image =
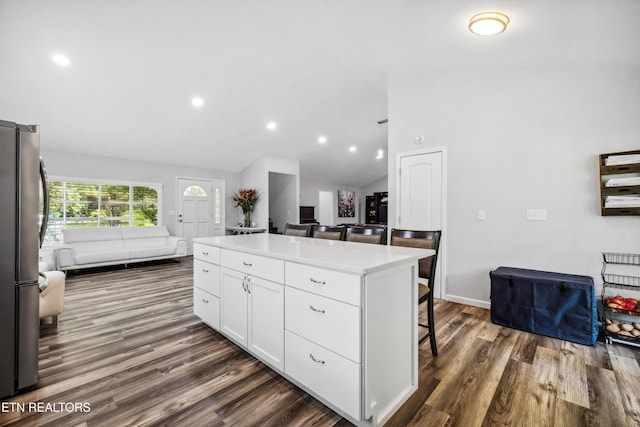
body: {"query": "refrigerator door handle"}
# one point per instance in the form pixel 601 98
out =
pixel 45 201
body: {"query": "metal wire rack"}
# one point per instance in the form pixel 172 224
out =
pixel 616 279
pixel 621 258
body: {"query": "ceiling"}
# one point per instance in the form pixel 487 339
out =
pixel 314 67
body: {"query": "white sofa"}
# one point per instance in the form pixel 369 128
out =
pixel 94 247
pixel 52 296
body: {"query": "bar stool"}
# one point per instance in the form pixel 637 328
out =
pixel 330 232
pixel 302 230
pixel 365 234
pixel 426 271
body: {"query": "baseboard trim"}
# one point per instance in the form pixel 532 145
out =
pixel 468 301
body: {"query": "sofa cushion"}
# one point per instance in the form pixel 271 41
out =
pixel 97 246
pixel 91 257
pixel 146 243
pixel 144 232
pixel 152 251
pixel 76 235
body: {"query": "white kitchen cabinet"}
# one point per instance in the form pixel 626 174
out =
pixel 253 315
pixel 332 324
pixel 206 307
pixel 338 319
pixel 266 321
pixel 206 285
pixel 234 306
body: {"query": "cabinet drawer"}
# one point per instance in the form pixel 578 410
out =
pixel 206 276
pixel 206 253
pixel 206 307
pixel 331 376
pixel 330 323
pixel 333 284
pixel 259 266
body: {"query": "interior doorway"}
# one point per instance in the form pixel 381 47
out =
pixel 283 203
pixel 200 209
pixel 421 182
pixel 326 207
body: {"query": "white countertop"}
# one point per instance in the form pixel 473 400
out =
pixel 351 257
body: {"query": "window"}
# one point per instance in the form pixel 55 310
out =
pixel 218 206
pixel 195 191
pixel 76 203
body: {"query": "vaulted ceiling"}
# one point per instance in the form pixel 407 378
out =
pixel 315 68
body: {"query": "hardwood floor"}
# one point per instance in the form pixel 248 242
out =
pixel 129 348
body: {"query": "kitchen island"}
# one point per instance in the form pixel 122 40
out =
pixel 338 319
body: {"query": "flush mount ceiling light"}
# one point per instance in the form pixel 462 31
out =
pixel 197 101
pixel 271 125
pixel 322 140
pixel 488 23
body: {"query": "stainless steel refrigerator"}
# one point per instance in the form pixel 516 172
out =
pixel 20 238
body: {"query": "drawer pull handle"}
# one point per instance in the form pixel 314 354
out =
pixel 317 310
pixel 247 264
pixel 319 282
pixel 205 253
pixel 204 270
pixel 315 360
pixel 205 301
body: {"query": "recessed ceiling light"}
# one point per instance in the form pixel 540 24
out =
pixel 488 23
pixel 271 125
pixel 61 60
pixel 197 101
pixel 322 139
pixel 353 148
pixel 380 154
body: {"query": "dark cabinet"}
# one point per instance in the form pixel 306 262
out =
pixel 307 215
pixel 376 212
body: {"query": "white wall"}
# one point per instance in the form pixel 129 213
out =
pixel 520 139
pixel 310 193
pixel 283 201
pixel 379 186
pixel 256 175
pixel 84 166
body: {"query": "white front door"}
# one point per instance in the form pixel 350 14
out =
pixel 200 209
pixel 420 199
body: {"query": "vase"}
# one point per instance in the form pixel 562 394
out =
pixel 247 217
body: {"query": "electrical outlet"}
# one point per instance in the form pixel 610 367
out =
pixel 536 214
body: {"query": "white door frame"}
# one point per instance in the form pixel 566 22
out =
pixel 442 253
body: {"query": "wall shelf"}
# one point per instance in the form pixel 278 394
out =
pixel 628 192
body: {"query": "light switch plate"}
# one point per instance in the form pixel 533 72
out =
pixel 482 215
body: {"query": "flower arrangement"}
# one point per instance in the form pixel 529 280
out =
pixel 246 198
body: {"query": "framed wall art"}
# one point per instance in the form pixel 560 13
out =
pixel 346 204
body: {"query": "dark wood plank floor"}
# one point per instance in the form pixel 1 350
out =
pixel 129 347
